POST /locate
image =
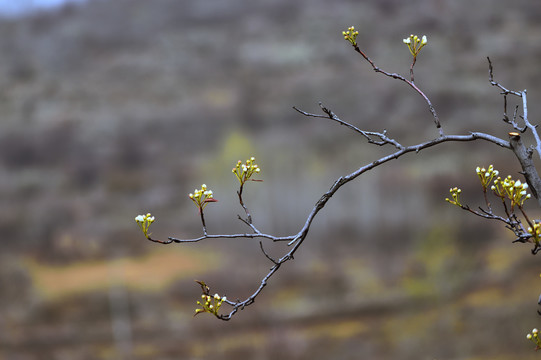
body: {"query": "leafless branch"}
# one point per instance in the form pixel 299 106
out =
pixel 293 242
pixel 265 253
pixel 297 239
pixel 521 94
pixel 171 240
pixel 511 222
pixel 409 82
pixel 497 84
pixel 368 135
pixel 248 220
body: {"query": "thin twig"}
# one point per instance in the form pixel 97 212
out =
pixel 533 128
pixel 497 84
pixel 265 253
pixel 411 69
pixel 226 236
pixel 410 83
pixel 203 220
pixel 248 216
pixel 368 135
pixel 521 94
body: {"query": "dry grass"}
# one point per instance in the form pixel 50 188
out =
pixel 152 272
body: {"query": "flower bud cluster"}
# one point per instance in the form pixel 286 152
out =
pixel 144 222
pixel 535 231
pixel 201 197
pixel 486 176
pixel 210 304
pixel 351 35
pixel 507 189
pixel 415 44
pixel 514 190
pixel 534 337
pixel 455 194
pixel 244 172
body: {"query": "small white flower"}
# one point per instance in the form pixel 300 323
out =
pixel 424 40
pixel 139 218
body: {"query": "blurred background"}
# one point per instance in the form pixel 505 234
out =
pixel 116 108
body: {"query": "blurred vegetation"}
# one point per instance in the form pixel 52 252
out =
pixel 115 108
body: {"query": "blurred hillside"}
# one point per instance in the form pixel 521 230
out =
pixel 115 108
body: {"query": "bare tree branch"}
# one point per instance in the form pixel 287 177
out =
pixel 521 94
pixel 409 82
pixel 293 242
pixel 369 135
